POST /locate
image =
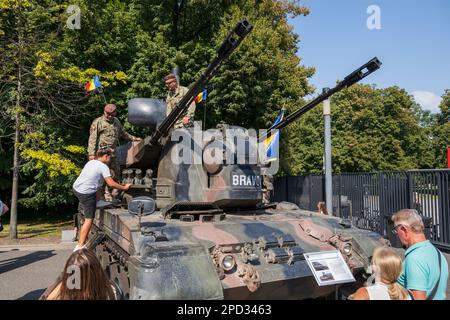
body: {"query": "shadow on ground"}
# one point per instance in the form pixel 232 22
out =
pixel 18 262
pixel 32 295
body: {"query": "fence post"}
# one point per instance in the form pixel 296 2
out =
pixel 339 199
pixel 441 214
pixel 381 202
pixel 327 155
pixel 310 191
pixel 411 198
pixel 287 189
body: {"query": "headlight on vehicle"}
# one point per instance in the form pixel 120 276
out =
pixel 228 262
pixel 347 249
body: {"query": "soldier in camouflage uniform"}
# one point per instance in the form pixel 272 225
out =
pixel 106 131
pixel 176 92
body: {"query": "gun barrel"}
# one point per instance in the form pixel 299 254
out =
pixel 354 77
pixel 234 38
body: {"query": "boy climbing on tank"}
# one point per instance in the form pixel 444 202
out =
pixel 92 177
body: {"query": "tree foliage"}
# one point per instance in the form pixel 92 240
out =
pixel 372 130
pixel 133 44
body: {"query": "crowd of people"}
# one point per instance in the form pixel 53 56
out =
pixel 422 275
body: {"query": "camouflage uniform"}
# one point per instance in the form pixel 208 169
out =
pixel 267 188
pixel 104 133
pixel 173 98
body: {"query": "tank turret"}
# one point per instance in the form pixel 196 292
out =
pixel 230 181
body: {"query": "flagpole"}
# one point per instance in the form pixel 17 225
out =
pixel 104 97
pixel 204 116
pixel 204 96
pixel 99 84
pixel 103 94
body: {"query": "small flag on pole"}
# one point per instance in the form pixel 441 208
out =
pixel 273 141
pixel 201 97
pixel 93 84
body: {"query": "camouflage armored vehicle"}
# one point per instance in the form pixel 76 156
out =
pixel 201 231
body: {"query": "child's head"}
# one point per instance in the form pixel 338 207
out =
pixel 387 266
pixel 84 278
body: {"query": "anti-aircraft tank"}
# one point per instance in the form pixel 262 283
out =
pixel 199 230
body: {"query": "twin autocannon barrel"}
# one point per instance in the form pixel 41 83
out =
pixel 240 31
pixel 349 80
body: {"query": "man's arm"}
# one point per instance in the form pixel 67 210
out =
pixel 125 135
pixel 419 295
pixel 93 136
pixel 110 182
pixel 189 117
pixel 191 111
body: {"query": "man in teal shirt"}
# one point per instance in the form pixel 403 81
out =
pixel 421 274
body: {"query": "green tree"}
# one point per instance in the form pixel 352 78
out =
pixel 372 130
pixel 131 45
pixel 440 132
pixel 445 108
pixel 265 74
pixel 39 97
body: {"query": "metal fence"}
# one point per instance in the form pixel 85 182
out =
pixel 368 199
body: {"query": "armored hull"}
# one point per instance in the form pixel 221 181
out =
pixel 257 254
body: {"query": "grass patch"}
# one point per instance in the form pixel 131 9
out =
pixel 47 226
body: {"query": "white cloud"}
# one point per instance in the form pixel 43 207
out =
pixel 428 100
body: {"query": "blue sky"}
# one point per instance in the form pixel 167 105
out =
pixel 413 44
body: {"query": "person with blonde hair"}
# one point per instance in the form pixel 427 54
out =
pixel 386 268
pixel 425 270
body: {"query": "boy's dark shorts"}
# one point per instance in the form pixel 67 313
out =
pixel 88 203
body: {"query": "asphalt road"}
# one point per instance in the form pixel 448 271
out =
pixel 25 273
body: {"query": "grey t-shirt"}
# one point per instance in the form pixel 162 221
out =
pixel 92 177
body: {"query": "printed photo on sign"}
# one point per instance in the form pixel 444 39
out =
pixel 320 265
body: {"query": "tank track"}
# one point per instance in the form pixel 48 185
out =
pixel 113 258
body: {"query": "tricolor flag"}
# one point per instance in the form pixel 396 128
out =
pixel 272 142
pixel 93 84
pixel 201 97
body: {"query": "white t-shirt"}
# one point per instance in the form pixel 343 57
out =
pixel 379 291
pixel 92 177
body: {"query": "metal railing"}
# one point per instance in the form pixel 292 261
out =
pixel 368 199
